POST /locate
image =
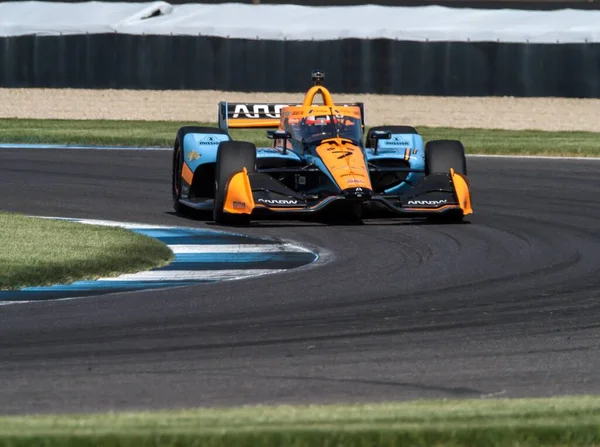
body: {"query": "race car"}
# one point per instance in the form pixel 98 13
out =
pixel 317 162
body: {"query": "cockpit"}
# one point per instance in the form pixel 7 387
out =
pixel 319 127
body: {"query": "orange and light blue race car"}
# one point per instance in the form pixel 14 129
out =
pixel 317 163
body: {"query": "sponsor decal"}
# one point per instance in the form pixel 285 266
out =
pixel 356 180
pixel 239 205
pixel 427 202
pixel 193 155
pixel 353 174
pixel 344 154
pixel 255 111
pixel 209 139
pixel 396 141
pixel 279 201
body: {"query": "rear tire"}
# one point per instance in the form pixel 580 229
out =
pixel 441 155
pixel 232 157
pixel 392 129
pixel 178 160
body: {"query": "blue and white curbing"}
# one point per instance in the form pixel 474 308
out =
pixel 201 256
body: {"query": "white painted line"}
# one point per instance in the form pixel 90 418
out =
pixel 191 275
pixel 534 157
pixel 81 147
pixel 236 248
pixel 128 226
pixel 499 393
pixel 110 223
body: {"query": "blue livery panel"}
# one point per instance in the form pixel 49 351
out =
pixel 269 152
pixel 201 148
pixel 396 147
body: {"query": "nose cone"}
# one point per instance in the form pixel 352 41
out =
pixel 347 165
pixel 357 193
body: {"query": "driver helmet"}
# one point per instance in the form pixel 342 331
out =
pixel 315 125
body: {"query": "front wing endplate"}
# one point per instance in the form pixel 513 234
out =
pixel 239 199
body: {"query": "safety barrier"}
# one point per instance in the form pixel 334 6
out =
pixel 539 54
pixel 353 66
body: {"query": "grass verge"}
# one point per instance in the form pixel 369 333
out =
pixel 162 134
pixel 39 252
pixel 524 422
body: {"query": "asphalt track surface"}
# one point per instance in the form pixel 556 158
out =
pixel 505 306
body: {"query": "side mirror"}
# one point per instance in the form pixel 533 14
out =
pixel 278 135
pixel 377 135
pixel 381 134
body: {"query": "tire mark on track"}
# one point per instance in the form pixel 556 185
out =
pixel 507 303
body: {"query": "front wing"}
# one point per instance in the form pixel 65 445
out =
pixel 257 193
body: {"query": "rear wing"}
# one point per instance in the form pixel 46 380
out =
pixel 253 116
pixel 249 116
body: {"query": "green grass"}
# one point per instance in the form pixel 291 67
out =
pixel 126 133
pixel 43 252
pixel 162 134
pixel 489 423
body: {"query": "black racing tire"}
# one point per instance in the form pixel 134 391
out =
pixel 178 160
pixel 392 129
pixel 441 155
pixel 232 156
pixel 176 180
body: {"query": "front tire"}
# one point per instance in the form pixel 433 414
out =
pixel 441 155
pixel 232 157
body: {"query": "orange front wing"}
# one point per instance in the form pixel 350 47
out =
pixel 435 194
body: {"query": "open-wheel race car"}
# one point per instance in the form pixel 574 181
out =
pixel 317 162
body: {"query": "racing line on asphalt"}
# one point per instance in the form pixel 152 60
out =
pixel 506 304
